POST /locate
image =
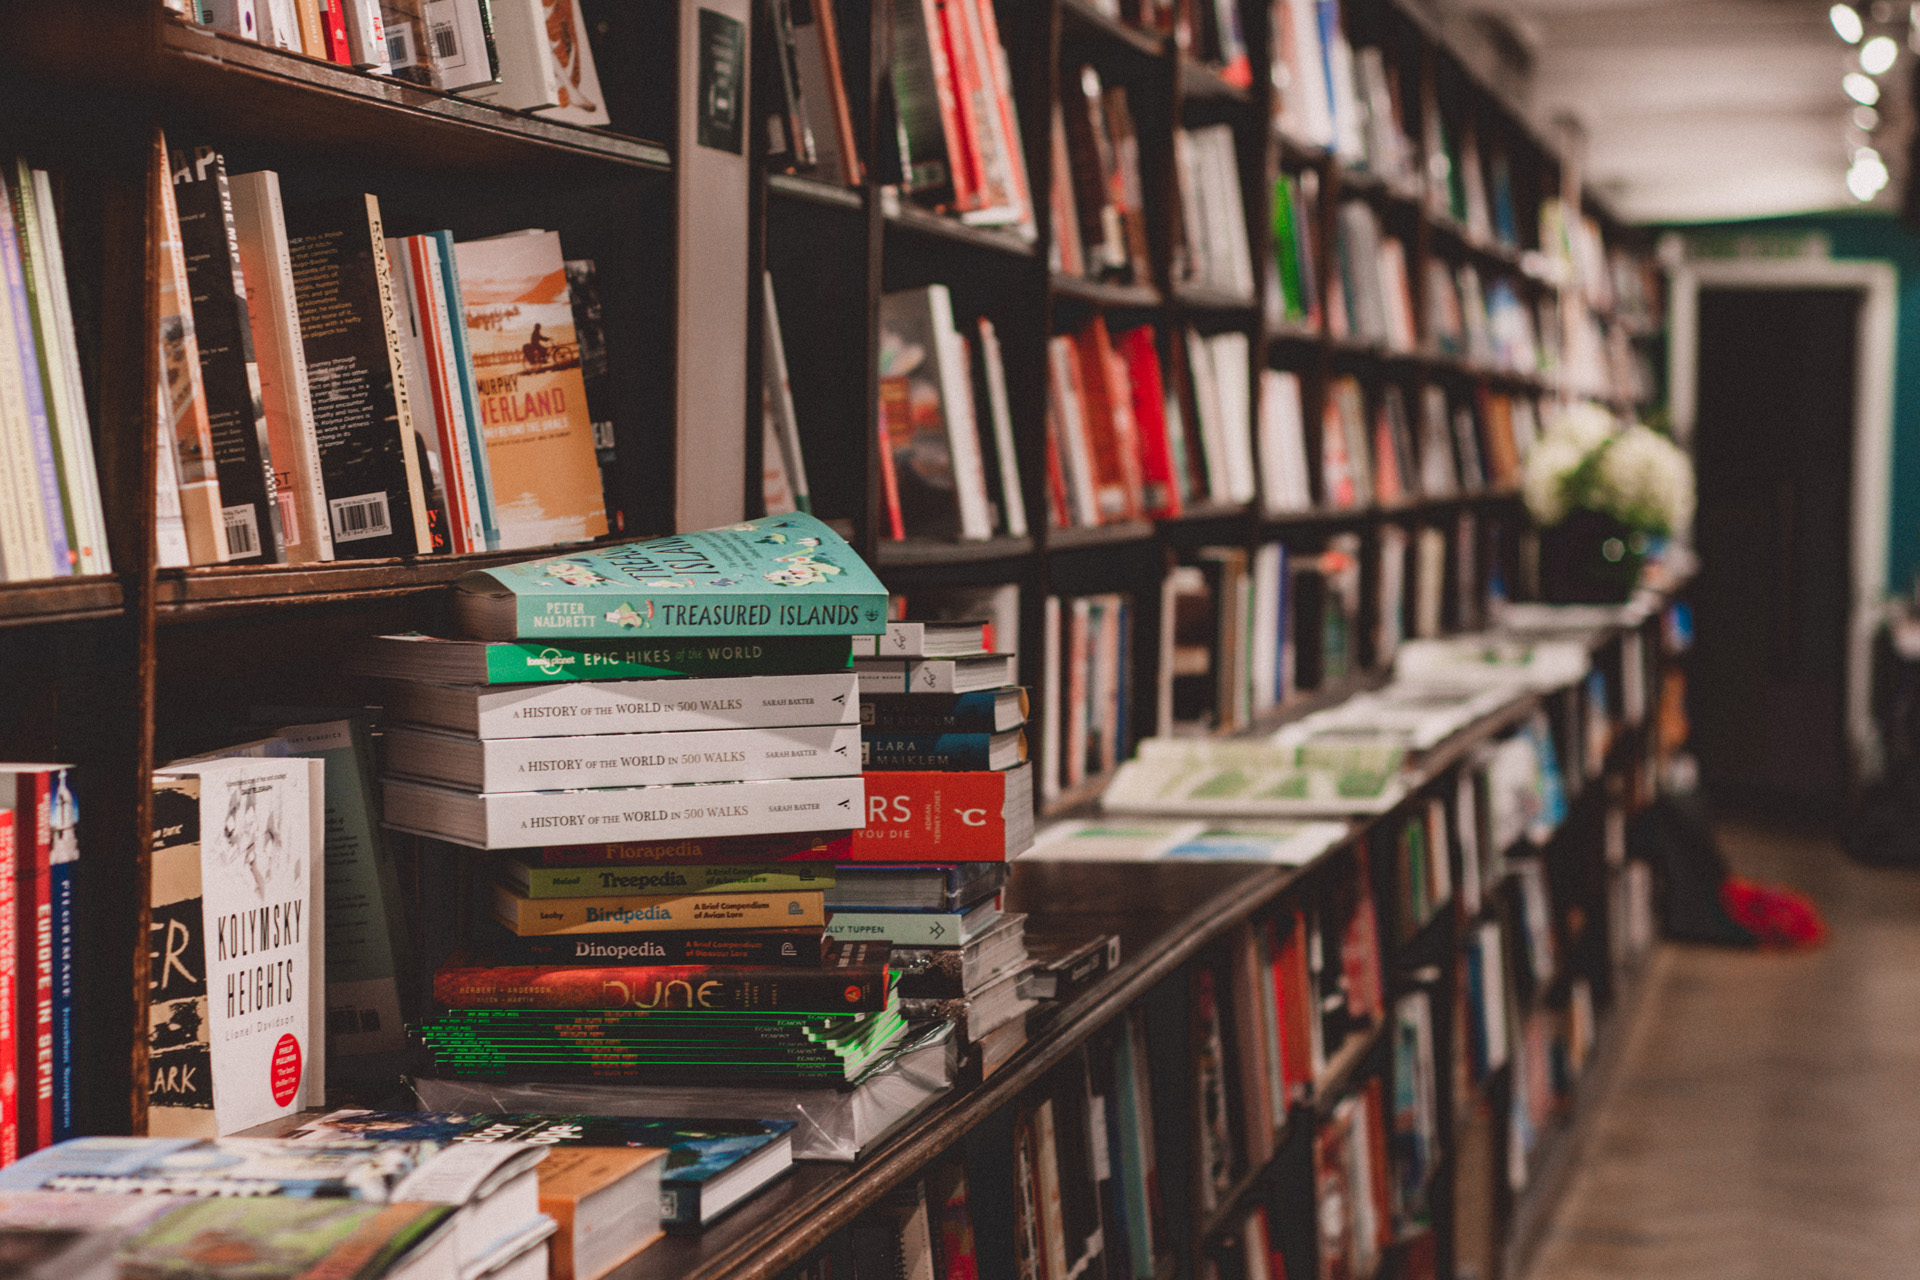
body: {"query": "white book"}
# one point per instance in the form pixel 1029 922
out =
pixel 279 24
pixel 522 819
pixel 1283 443
pixel 233 17
pixel 1050 713
pixel 529 77
pixel 1205 382
pixel 257 869
pixel 623 759
pixel 23 521
pixel 457 40
pixel 934 675
pixel 937 639
pixel 580 99
pixel 170 524
pixel 367 36
pixel 1269 565
pixel 628 706
pixel 267 263
pixel 1233 374
pixel 782 424
pixel 1011 496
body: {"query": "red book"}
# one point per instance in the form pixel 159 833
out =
pixel 968 95
pixel 946 817
pixel 333 25
pixel 32 878
pixel 1116 483
pixel 1293 989
pixel 821 846
pixel 1056 478
pixel 1159 485
pixel 958 171
pixel 1000 94
pixel 1360 946
pixel 1388 485
pixel 853 980
pixel 896 416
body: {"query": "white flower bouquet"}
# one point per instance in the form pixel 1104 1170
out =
pixel 1584 462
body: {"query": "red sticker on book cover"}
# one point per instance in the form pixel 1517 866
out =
pixel 284 1073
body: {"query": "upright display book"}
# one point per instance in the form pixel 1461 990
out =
pixel 1256 779
pixel 475 662
pixel 1123 839
pixel 711 1163
pixel 786 575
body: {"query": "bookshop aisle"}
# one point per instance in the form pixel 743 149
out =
pixel 1762 1118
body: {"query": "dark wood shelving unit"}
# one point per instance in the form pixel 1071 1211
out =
pixel 61 600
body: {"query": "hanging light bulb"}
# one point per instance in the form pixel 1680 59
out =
pixel 1877 55
pixel 1860 88
pixel 1866 119
pixel 1867 175
pixel 1846 21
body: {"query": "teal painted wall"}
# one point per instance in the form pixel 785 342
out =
pixel 1880 236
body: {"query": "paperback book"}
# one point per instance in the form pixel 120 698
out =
pixel 475 662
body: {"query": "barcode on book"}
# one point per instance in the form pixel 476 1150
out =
pixel 361 517
pixel 399 46
pixel 243 530
pixel 289 518
pixel 445 41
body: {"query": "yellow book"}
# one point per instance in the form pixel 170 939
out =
pixel 532 397
pixel 658 912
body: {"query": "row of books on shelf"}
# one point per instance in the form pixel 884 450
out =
pixel 1098 203
pixel 525 55
pixel 333 393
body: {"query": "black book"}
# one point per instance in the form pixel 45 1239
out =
pixel 228 370
pixel 590 330
pixel 982 711
pixel 344 291
pixel 786 948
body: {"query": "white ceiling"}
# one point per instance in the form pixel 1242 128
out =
pixel 1697 110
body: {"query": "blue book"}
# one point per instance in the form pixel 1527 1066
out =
pixel 945 752
pixel 712 1164
pixel 64 864
pixel 786 575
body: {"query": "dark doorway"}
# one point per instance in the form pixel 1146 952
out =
pixel 1773 441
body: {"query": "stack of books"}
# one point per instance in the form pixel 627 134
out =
pixel 949 802
pixel 663 813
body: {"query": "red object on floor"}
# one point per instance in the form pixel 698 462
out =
pixel 1776 917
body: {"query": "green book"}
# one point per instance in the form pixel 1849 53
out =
pixel 785 575
pixel 593 882
pixel 1286 249
pixel 264 1238
pixel 435 661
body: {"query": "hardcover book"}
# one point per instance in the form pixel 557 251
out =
pixel 805 846
pixel 628 707
pixel 982 711
pixel 951 751
pixel 413 656
pixel 946 817
pixel 791 948
pixel 376 504
pixel 853 979
pixel 533 400
pixel 584 882
pixel 787 575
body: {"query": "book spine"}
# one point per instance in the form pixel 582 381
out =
pixel 64 860
pixel 309 14
pixel 10 1119
pixel 420 261
pixel 509 663
pixel 366 36
pixel 902 928
pixel 51 361
pixel 749 614
pixel 584 882
pixel 935 817
pixel 514 820
pixel 403 404
pixel 627 760
pixel 920 713
pixel 794 948
pixel 804 847
pixel 34 901
pixel 641 913
pixel 228 369
pixel 76 444
pixel 273 314
pixel 344 297
pixel 923 95
pixel 743 702
pixel 234 17
pixel 951 751
pixel 528 77
pixel 183 394
pixel 461 371
pixel 715 988
pixel 40 486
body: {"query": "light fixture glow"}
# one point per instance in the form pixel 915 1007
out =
pixel 1877 55
pixel 1846 21
pixel 1866 119
pixel 1867 176
pixel 1860 88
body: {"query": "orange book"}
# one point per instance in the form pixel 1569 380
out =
pixel 533 399
pixel 606 1201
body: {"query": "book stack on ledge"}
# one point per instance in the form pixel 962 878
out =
pixel 658 744
pixel 949 802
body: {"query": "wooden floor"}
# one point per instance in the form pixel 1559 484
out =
pixel 1765 1119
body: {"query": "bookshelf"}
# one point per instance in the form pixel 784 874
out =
pixel 119 672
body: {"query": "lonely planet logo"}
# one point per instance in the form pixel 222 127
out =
pixel 550 661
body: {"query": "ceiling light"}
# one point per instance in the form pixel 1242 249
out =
pixel 1867 176
pixel 1846 21
pixel 1866 118
pixel 1877 55
pixel 1860 88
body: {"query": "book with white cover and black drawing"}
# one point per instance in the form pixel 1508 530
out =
pixel 927 640
pixel 915 888
pixel 934 675
pixel 628 706
pixel 623 759
pixel 516 819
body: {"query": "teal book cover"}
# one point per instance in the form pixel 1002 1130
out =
pixel 784 575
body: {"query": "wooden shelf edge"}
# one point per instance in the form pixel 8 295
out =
pixel 815 191
pixel 57 600
pixel 1080 537
pixel 1199 80
pixel 1144 43
pixel 912 220
pixel 926 551
pixel 1099 293
pixel 1343 1068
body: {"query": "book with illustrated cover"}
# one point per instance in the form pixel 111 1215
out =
pixel 533 398
pixel 250 1239
pixel 641 912
pixel 853 979
pixel 786 575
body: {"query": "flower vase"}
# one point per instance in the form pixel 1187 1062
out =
pixel 1590 558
